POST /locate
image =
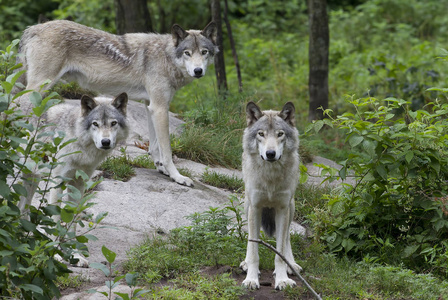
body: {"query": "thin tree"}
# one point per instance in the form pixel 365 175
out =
pixel 132 16
pixel 319 44
pixel 220 67
pixel 232 45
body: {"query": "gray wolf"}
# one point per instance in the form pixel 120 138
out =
pixel 149 67
pixel 270 173
pixel 98 125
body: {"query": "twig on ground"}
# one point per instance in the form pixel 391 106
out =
pixel 290 266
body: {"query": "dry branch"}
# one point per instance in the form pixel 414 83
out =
pixel 290 266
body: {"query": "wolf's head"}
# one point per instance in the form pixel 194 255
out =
pixel 195 49
pixel 270 133
pixel 105 120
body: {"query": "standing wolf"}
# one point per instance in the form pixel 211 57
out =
pixel 270 173
pixel 150 67
pixel 98 125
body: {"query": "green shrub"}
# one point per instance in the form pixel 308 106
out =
pixel 397 209
pixel 28 244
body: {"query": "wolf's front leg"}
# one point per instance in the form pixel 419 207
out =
pixel 282 223
pixel 251 262
pixel 159 140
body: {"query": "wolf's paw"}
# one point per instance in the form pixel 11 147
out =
pixel 251 283
pixel 282 284
pixel 296 268
pixel 82 261
pixel 182 180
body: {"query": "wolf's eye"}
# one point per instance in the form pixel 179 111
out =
pixel 280 134
pixel 204 52
pixel 261 133
pixel 113 123
pixel 95 124
pixel 187 53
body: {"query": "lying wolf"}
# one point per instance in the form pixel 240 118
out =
pixel 270 173
pixel 151 67
pixel 98 125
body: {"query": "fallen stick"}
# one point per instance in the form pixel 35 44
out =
pixel 290 266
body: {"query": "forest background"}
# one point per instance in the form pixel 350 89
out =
pixel 386 82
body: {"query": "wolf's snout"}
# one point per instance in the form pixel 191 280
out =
pixel 270 154
pixel 105 143
pixel 197 72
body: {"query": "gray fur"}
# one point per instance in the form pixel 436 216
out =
pixel 150 67
pixel 98 125
pixel 270 173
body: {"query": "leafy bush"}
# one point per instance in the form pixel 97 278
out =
pixel 28 244
pixel 397 209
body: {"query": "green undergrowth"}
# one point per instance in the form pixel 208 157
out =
pixel 122 167
pixel 227 182
pixel 214 239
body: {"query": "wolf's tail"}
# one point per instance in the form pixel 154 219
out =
pixel 268 221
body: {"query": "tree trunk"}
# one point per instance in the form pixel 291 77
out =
pixel 232 45
pixel 319 45
pixel 132 16
pixel 220 67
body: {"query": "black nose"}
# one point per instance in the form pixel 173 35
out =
pixel 270 154
pixel 198 71
pixel 105 142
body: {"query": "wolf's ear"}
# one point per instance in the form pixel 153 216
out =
pixel 288 113
pixel 211 32
pixel 121 103
pixel 253 113
pixel 87 105
pixel 179 34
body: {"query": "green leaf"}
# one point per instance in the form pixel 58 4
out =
pixel 20 189
pixel 6 253
pixel 435 165
pixel 303 177
pixel 7 87
pixel 381 169
pixel 32 288
pixel 91 237
pixel 409 250
pixel 318 125
pixel 100 267
pixel 67 215
pixel 108 254
pixel 348 244
pixel 36 99
pixel 82 239
pixel 409 156
pixel 4 189
pixel 27 225
pixel 131 279
pixel 369 146
pixel 355 140
pixel 123 296
pixel 13 77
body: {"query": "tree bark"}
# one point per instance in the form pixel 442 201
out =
pixel 232 45
pixel 132 16
pixel 220 67
pixel 319 44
